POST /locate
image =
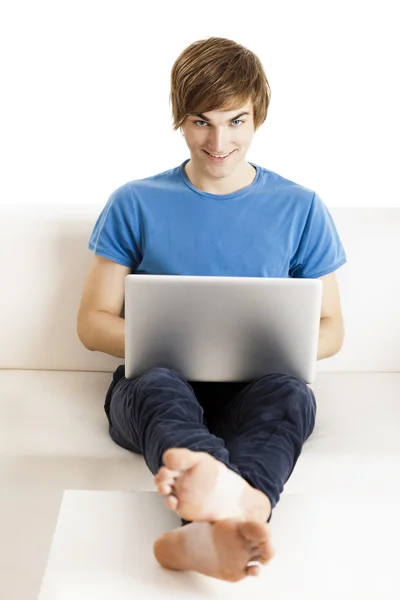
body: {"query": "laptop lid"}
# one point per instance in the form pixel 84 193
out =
pixel 213 328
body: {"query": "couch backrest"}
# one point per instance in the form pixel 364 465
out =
pixel 44 260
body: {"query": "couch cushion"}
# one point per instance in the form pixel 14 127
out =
pixel 49 414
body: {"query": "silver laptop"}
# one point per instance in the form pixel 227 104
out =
pixel 212 328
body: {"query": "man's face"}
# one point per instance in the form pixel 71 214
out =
pixel 219 132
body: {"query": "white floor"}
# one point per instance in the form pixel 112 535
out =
pixel 336 524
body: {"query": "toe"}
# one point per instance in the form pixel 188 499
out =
pixel 253 570
pixel 181 459
pixel 164 474
pixel 171 502
pixel 164 489
pixel 258 537
pixel 254 532
pixel 165 480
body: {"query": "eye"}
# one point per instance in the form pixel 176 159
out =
pixel 236 120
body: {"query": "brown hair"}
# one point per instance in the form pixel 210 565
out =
pixel 218 74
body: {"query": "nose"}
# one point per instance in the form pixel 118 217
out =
pixel 218 139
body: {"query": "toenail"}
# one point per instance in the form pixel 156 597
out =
pixel 254 563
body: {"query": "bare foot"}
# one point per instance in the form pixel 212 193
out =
pixel 222 550
pixel 200 488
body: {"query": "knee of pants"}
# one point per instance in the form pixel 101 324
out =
pixel 301 393
pixel 143 393
pixel 157 374
pixel 305 401
pixel 163 380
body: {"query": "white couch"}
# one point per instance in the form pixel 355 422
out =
pixel 53 430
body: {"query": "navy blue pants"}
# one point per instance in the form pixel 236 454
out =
pixel 256 428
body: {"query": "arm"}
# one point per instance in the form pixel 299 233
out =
pixel 331 333
pixel 100 326
pixel 107 333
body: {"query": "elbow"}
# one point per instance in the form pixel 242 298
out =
pixel 337 349
pixel 83 341
pixel 341 336
pixel 83 335
pixel 340 340
pixel 331 337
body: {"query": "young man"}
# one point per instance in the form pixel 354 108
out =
pixel 220 452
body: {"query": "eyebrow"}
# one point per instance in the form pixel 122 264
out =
pixel 206 119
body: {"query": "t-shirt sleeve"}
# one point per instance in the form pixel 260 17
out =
pixel 116 234
pixel 320 250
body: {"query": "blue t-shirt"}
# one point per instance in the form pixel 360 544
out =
pixel 164 225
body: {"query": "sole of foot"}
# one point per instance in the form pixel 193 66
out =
pixel 197 487
pixel 222 550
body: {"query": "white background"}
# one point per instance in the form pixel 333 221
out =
pixel 85 94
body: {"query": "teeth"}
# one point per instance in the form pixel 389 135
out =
pixel 217 156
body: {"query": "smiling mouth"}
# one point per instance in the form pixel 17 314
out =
pixel 219 158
